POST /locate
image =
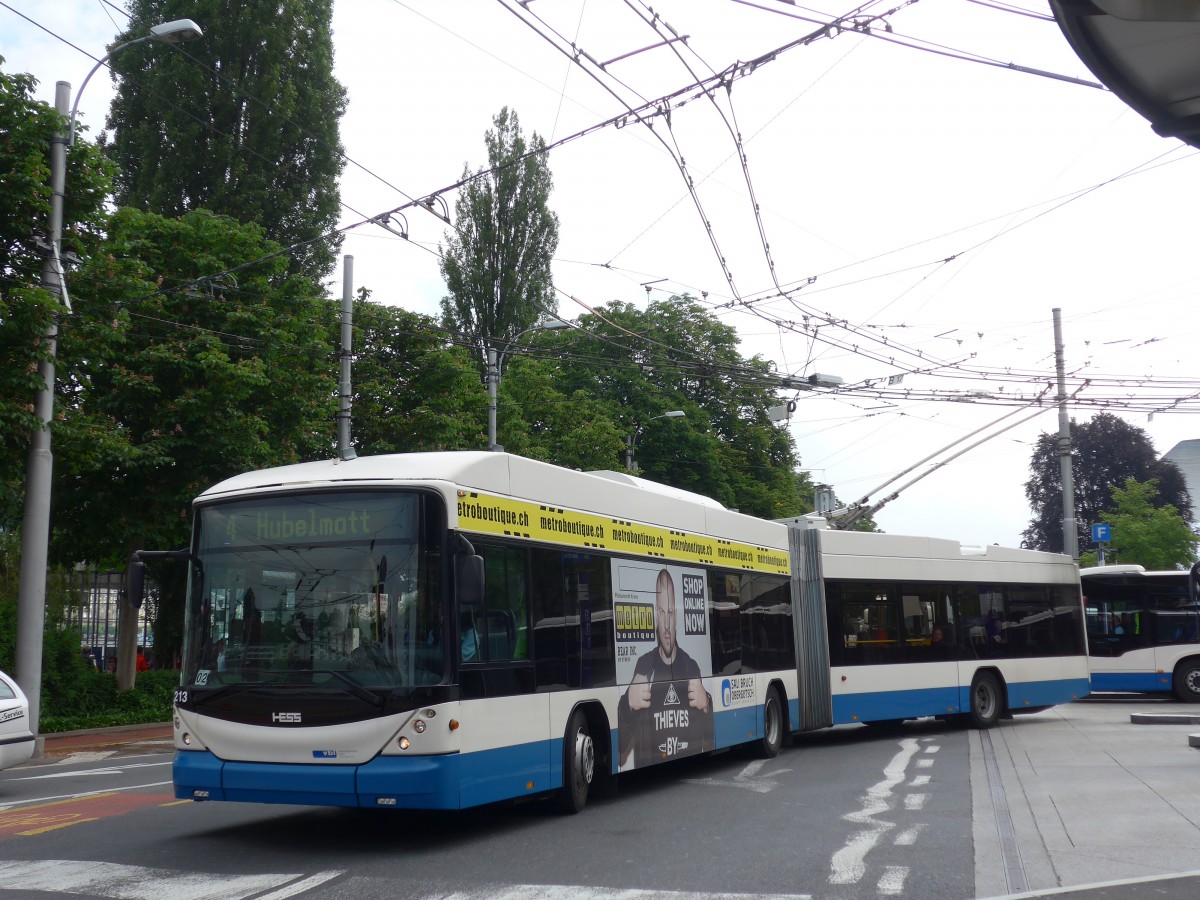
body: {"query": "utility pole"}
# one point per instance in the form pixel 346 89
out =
pixel 35 523
pixel 1070 526
pixel 345 448
pixel 493 380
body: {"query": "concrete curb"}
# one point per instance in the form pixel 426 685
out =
pixel 60 742
pixel 1164 719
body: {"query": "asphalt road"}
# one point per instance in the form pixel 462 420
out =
pixel 1081 801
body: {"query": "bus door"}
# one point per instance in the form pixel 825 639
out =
pixel 1121 636
pixel 1176 632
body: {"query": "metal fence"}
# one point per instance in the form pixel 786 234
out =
pixel 96 612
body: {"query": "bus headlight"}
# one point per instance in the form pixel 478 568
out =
pixel 419 726
pixel 404 743
pixel 187 738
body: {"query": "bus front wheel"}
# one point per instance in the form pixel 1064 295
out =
pixel 579 763
pixel 985 700
pixel 1186 682
pixel 772 739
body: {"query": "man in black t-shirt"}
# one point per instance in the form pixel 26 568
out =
pixel 665 712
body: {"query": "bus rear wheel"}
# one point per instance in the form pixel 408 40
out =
pixel 772 739
pixel 1186 683
pixel 986 705
pixel 579 763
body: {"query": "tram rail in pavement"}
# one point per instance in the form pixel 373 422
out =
pixel 1089 800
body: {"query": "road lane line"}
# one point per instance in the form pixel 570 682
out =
pixel 302 885
pixel 892 882
pixel 848 865
pixel 67 798
pixel 34 831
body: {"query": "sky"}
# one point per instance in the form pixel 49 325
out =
pixel 914 205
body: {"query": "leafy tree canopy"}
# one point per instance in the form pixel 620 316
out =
pixel 173 380
pixel 672 356
pixel 497 260
pixel 1105 452
pixel 243 122
pixel 1143 534
pixel 412 389
pixel 27 128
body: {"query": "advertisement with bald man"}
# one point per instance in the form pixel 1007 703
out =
pixel 663 655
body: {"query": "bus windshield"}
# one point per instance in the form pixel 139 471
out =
pixel 337 589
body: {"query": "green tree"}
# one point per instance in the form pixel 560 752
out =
pixel 412 389
pixel 1155 537
pixel 27 128
pixel 243 122
pixel 497 260
pixel 725 446
pixel 1106 451
pixel 175 380
pixel 539 420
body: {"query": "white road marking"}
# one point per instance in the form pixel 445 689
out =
pixel 85 756
pixel 919 780
pixel 576 892
pixel 933 748
pixel 909 835
pixel 848 864
pixel 892 882
pixel 121 882
pixel 915 801
pixel 745 779
pixel 925 763
pixel 302 885
pixel 106 770
pixel 32 801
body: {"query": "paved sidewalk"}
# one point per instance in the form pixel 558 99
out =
pixel 1099 798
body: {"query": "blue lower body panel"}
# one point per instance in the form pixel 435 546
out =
pixel 737 726
pixel 881 706
pixel 452 781
pixel 1140 682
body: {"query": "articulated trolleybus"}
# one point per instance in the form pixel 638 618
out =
pixel 443 630
pixel 1143 630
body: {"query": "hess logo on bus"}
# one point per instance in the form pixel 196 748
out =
pixel 286 718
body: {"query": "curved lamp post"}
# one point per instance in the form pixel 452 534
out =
pixel 495 364
pixel 631 440
pixel 35 527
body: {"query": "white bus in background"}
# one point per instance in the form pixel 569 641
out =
pixel 1143 630
pixel 443 630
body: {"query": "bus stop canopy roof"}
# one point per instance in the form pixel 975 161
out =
pixel 1147 52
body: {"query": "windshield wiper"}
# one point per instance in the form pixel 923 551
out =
pixel 357 689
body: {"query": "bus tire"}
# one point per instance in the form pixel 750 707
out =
pixel 986 703
pixel 772 739
pixel 579 763
pixel 1186 682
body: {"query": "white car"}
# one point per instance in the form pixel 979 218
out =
pixel 16 740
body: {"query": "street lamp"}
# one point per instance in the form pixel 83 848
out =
pixel 35 523
pixel 631 440
pixel 495 363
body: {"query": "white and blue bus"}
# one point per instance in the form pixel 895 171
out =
pixel 1143 630
pixel 443 630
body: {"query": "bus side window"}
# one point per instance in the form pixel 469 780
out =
pixel 502 628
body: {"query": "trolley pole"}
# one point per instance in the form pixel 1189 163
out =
pixel 1070 526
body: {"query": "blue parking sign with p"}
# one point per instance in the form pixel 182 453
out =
pixel 1101 534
